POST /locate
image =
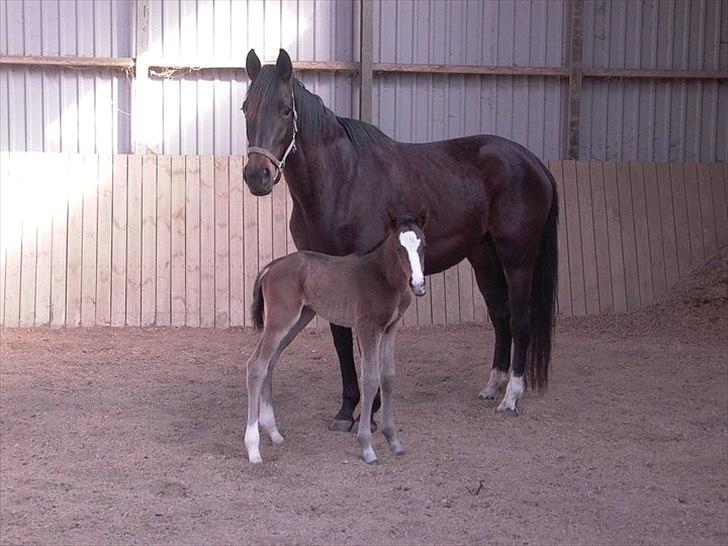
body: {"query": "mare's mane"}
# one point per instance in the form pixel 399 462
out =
pixel 312 112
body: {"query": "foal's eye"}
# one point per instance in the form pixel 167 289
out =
pixel 286 111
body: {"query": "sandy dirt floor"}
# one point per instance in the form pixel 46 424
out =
pixel 136 436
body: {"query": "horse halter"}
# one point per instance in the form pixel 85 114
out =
pixel 280 163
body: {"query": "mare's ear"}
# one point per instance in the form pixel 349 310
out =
pixel 392 221
pixel 252 65
pixel 422 216
pixel 284 65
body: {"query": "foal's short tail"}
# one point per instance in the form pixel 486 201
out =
pixel 258 304
pixel 543 299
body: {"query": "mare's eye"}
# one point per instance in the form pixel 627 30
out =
pixel 286 111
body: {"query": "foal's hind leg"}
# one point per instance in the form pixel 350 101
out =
pixel 492 284
pixel 386 358
pixel 267 418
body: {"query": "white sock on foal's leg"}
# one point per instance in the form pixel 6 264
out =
pixel 513 393
pixel 252 443
pixel 268 420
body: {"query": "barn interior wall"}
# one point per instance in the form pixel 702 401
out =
pixel 90 111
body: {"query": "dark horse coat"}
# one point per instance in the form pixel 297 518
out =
pixel 491 201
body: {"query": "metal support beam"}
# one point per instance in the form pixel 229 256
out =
pixel 575 76
pixel 366 60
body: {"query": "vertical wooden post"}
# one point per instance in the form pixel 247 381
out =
pixel 141 78
pixel 366 62
pixel 575 77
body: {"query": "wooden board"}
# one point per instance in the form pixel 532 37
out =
pixel 60 242
pixel 588 242
pixel 49 199
pixel 104 241
pixel 75 242
pixel 177 271
pixel 237 255
pixel 680 210
pixel 667 224
pixel 163 225
pixel 149 240
pixel 88 253
pixel 697 252
pixel 629 244
pixel 601 237
pixel 641 232
pixel 654 229
pixel 614 230
pixel 707 210
pixel 564 290
pixel 250 248
pixel 192 241
pixel 719 182
pixel 134 242
pixel 12 233
pixel 29 241
pixel 222 243
pixel 207 241
pixel 119 241
pixel 573 232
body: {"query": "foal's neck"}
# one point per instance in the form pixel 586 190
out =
pixel 384 259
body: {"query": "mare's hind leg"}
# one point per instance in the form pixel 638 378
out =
pixel 386 359
pixel 369 378
pixel 267 417
pixel 492 284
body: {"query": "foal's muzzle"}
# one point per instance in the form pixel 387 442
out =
pixel 418 290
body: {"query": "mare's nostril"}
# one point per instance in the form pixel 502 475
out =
pixel 266 172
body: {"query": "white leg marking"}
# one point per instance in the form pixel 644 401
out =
pixel 513 393
pixel 497 378
pixel 268 422
pixel 409 240
pixel 252 443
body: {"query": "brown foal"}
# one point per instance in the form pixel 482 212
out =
pixel 366 292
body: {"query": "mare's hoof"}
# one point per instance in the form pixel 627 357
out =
pixel 341 425
pixel 507 412
pixel 488 394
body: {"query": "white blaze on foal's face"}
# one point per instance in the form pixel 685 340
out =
pixel 411 243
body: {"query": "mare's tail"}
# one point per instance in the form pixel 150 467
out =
pixel 543 299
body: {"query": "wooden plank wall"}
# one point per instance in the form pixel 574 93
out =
pixel 178 240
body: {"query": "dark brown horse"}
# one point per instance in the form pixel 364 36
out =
pixel 491 201
pixel 367 292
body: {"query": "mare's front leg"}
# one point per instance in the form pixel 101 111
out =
pixel 386 356
pixel 344 344
pixel 370 370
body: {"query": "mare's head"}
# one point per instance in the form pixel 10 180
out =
pixel 270 119
pixel 409 236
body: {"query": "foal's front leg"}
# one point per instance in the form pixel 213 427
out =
pixel 369 343
pixel 389 429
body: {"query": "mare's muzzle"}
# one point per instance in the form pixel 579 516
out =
pixel 260 175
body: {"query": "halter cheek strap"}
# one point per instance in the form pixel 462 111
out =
pixel 279 163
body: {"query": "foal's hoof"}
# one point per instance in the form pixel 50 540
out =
pixel 488 393
pixel 373 462
pixel 276 438
pixel 507 412
pixel 341 425
pixel 398 451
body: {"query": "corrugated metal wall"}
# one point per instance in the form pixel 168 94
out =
pixel 50 109
pixel 88 110
pixel 506 33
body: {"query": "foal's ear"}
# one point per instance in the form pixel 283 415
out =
pixel 284 65
pixel 422 216
pixel 252 65
pixel 392 220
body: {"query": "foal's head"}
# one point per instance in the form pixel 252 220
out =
pixel 270 118
pixel 410 245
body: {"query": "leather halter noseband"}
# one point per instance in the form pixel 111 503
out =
pixel 280 163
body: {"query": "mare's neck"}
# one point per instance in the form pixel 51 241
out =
pixel 322 150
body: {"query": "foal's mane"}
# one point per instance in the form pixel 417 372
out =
pixel 312 112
